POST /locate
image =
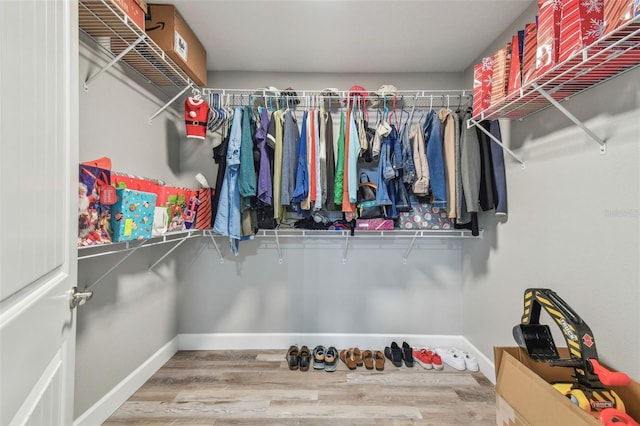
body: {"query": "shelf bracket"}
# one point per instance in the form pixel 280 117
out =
pixel 280 261
pixel 346 247
pixel 406 254
pixel 555 103
pixel 170 102
pixel 118 263
pixel 168 252
pixel 121 55
pixel 216 247
pixel 474 123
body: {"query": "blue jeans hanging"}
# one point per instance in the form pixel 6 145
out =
pixel 435 159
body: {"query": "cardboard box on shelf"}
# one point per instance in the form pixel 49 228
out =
pixel 134 9
pixel 170 31
pixel 524 395
pixel 548 35
pixel 582 25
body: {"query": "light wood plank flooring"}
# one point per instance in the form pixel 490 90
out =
pixel 257 388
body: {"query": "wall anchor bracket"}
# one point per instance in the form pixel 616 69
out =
pixel 573 118
pixel 121 55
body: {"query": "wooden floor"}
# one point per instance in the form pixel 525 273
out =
pixel 257 388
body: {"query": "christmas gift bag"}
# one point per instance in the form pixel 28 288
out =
pixel 95 197
pixel 132 215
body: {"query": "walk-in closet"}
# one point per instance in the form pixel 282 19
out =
pixel 354 227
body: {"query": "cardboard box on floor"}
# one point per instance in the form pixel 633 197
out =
pixel 172 33
pixel 525 397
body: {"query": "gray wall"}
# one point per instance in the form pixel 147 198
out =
pixel 573 225
pixel 133 312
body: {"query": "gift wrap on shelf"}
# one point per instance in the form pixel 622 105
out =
pixel 619 12
pixel 132 215
pixel 582 24
pixel 424 216
pixel 549 21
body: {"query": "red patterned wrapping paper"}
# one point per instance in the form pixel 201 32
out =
pixel 582 25
pixel 618 12
pixel 529 53
pixel 548 35
pixel 501 63
pixel 477 89
pixel 515 70
pixel 487 81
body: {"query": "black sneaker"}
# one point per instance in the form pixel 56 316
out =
pixel 407 354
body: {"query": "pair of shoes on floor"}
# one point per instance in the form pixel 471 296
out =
pixel 298 358
pixel 325 358
pixel 352 357
pixel 427 359
pixel 397 354
pixel 458 359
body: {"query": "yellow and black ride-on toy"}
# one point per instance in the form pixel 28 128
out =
pixel 591 388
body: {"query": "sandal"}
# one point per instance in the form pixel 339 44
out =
pixel 367 358
pixel 356 355
pixel 346 356
pixel 379 360
pixel 292 357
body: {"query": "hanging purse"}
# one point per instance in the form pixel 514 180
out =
pixel 366 205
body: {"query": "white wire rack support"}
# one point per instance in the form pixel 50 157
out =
pixel 115 265
pixel 215 245
pixel 408 252
pixel 111 63
pixel 473 123
pixel 573 118
pixel 168 252
pixel 189 86
pixel 346 247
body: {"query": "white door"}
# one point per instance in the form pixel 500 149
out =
pixel 38 201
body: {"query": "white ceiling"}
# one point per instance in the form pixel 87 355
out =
pixel 346 35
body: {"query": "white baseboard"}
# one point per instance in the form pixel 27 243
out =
pixel 222 341
pixel 487 366
pixel 108 404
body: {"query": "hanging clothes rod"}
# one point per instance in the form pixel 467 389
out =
pixel 306 98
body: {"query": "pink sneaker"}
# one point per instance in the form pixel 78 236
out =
pixel 424 358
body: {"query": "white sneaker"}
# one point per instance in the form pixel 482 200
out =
pixel 452 357
pixel 470 362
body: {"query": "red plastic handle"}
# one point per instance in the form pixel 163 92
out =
pixel 615 417
pixel 608 377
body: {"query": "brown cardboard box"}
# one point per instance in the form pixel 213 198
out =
pixel 524 396
pixel 170 31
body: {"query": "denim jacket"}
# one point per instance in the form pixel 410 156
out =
pixel 228 216
pixel 435 159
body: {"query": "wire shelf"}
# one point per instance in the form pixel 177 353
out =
pixel 114 31
pixel 612 55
